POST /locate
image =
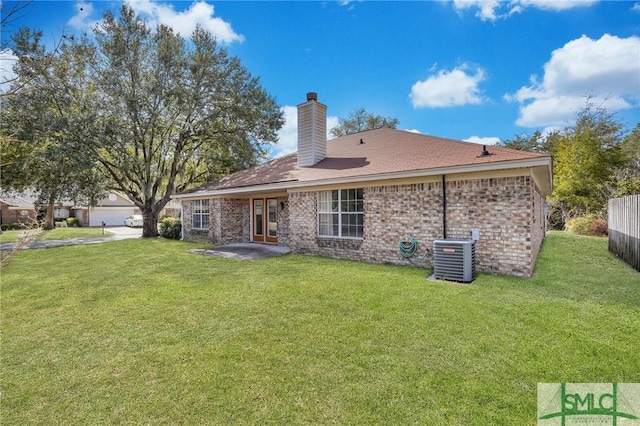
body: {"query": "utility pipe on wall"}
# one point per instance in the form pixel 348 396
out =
pixel 181 220
pixel 444 207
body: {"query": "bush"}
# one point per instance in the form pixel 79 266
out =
pixel 587 225
pixel 171 228
pixel 72 222
pixel 599 228
pixel 17 226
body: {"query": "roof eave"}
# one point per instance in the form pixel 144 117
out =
pixel 468 168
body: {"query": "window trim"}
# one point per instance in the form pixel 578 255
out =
pixel 201 214
pixel 339 213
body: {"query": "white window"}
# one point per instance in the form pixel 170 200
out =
pixel 200 214
pixel 340 213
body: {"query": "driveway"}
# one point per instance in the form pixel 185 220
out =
pixel 124 232
pixel 119 233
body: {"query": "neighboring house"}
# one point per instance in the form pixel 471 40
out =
pixel 357 196
pixel 17 208
pixel 20 207
pixel 112 210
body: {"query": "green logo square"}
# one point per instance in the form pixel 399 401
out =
pixel 565 404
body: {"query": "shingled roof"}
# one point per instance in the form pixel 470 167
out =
pixel 380 153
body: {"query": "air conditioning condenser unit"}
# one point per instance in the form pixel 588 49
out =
pixel 454 260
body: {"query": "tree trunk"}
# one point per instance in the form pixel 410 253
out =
pixel 149 223
pixel 48 218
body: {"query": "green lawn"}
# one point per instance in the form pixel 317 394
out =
pixel 68 233
pixel 9 236
pixel 141 332
pixel 57 234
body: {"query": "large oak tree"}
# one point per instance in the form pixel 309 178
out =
pixel 159 113
pixel 173 112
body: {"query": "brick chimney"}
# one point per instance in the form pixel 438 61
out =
pixel 312 131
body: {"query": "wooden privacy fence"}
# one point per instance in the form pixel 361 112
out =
pixel 624 229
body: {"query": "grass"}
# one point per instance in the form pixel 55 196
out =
pixel 139 331
pixel 9 236
pixel 57 234
pixel 69 233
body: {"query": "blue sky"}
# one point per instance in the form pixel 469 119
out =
pixel 477 70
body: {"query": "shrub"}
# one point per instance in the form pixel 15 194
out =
pixel 171 228
pixel 579 225
pixel 18 226
pixel 599 228
pixel 72 222
pixel 587 225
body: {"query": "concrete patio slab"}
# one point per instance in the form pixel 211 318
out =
pixel 243 251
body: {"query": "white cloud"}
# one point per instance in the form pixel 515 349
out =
pixel 606 69
pixel 332 122
pixel 636 7
pixel 288 134
pixel 549 130
pixel 7 60
pixel 448 88
pixel 556 5
pixel 486 8
pixel 83 19
pixel 155 13
pixel 349 4
pixel 483 140
pixel 185 22
pixel 491 10
pixel 413 131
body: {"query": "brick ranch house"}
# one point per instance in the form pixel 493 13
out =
pixel 357 196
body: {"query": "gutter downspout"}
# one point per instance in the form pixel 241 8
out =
pixel 181 220
pixel 444 207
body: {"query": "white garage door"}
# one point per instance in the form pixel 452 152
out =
pixel 110 215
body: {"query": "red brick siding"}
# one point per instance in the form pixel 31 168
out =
pixel 508 213
pixel 235 217
pixel 303 222
pixel 229 221
pixel 283 221
pixel 11 216
pixel 502 209
pixel 197 235
pixel 391 213
pixel 539 226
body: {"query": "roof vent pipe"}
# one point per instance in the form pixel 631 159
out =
pixel 484 152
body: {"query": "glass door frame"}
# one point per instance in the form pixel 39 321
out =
pixel 262 211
